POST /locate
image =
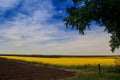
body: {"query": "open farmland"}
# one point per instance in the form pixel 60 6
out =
pixel 14 70
pixel 83 68
pixel 68 61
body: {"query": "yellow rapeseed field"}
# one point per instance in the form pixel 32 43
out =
pixel 68 61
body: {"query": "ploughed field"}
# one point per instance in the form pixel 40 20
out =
pixel 15 70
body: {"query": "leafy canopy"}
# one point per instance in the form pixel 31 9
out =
pixel 103 12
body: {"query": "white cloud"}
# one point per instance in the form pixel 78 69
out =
pixel 7 4
pixel 34 34
pixel 91 43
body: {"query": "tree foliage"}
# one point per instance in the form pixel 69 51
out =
pixel 103 12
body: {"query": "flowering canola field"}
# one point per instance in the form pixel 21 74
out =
pixel 68 61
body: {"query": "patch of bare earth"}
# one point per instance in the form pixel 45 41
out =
pixel 14 70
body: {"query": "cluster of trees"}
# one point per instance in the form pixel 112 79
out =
pixel 103 12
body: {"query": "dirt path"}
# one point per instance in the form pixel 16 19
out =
pixel 14 70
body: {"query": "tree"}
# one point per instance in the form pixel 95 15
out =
pixel 103 12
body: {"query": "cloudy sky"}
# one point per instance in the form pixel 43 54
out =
pixel 36 27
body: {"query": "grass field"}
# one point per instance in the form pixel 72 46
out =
pixel 85 67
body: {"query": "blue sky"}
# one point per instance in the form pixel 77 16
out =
pixel 36 27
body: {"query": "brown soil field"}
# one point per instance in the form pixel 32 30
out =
pixel 15 70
